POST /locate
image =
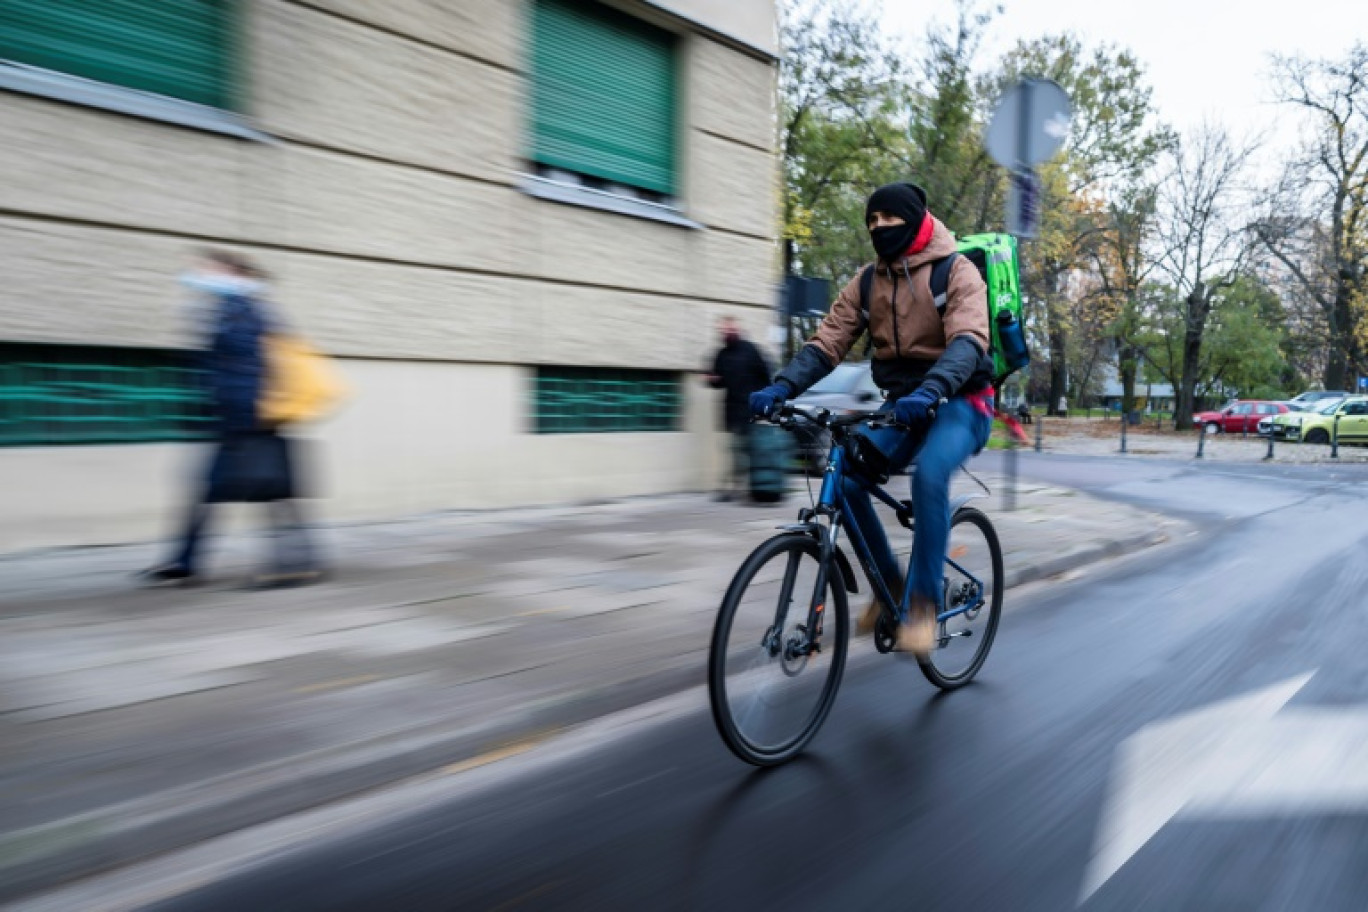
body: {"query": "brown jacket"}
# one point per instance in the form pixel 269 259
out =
pixel 902 316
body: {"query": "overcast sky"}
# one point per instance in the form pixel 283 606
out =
pixel 1204 57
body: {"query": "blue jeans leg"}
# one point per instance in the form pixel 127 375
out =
pixel 958 432
pixel 899 447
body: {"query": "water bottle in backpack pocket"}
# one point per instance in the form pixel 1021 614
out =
pixel 1011 341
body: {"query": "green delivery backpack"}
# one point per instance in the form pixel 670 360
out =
pixel 995 256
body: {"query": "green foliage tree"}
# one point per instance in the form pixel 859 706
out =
pixel 841 90
pixel 1113 141
pixel 1241 353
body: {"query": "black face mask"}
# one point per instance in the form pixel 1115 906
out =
pixel 892 241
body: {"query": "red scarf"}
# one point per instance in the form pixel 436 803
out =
pixel 924 233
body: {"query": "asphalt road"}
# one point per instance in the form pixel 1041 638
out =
pixel 1109 708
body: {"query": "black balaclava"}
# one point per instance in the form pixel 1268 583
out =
pixel 908 202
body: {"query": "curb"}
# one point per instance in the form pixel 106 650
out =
pixel 1080 557
pixel 53 855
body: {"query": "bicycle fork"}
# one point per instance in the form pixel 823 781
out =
pixel 810 640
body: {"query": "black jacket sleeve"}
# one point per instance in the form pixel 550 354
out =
pixel 809 366
pixel 954 368
pixel 715 378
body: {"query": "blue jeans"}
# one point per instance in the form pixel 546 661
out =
pixel 959 431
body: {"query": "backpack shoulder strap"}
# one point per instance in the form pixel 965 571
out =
pixel 866 289
pixel 940 281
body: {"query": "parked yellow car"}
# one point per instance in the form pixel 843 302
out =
pixel 1318 425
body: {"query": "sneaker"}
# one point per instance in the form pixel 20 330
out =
pixel 865 625
pixel 917 634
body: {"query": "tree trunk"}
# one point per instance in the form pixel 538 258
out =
pixel 1127 364
pixel 1187 387
pixel 1336 368
pixel 1337 362
pixel 1059 371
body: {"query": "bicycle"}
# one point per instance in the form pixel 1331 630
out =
pixel 778 657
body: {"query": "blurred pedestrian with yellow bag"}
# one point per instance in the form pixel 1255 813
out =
pixel 260 378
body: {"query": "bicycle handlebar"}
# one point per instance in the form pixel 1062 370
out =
pixel 825 418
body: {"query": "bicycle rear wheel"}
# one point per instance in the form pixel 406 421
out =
pixel 973 587
pixel 769 694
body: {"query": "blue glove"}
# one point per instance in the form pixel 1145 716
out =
pixel 765 402
pixel 917 410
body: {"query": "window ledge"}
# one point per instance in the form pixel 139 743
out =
pixel 17 77
pixel 560 192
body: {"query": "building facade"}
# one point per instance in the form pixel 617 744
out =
pixel 514 223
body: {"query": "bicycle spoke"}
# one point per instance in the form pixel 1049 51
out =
pixel 972 599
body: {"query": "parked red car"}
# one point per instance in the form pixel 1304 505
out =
pixel 1240 416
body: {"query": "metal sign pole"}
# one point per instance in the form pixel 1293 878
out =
pixel 1010 493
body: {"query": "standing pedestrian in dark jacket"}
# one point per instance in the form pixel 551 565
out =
pixel 740 370
pixel 251 461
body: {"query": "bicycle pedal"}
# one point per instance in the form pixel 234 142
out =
pixel 885 634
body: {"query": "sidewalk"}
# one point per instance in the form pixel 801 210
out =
pixel 135 721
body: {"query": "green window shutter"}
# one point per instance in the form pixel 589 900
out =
pixel 603 95
pixel 52 395
pixel 179 48
pixel 596 400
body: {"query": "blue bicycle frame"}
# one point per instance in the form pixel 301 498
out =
pixel 832 502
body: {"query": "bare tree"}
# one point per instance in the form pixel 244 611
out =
pixel 1202 240
pixel 1316 224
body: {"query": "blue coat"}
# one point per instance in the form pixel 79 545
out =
pixel 235 362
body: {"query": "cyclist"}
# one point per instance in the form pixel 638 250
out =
pixel 930 364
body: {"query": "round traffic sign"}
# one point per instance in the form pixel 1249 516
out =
pixel 1030 124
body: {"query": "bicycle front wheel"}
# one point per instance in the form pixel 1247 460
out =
pixel 771 677
pixel 973 595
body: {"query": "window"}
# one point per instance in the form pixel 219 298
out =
pixel 176 48
pixel 595 400
pixel 603 99
pixel 69 394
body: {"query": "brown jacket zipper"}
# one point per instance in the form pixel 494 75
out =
pixel 893 304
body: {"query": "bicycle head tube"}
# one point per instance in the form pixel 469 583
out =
pixel 832 477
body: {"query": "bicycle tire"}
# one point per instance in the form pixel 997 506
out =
pixel 993 605
pixel 835 638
